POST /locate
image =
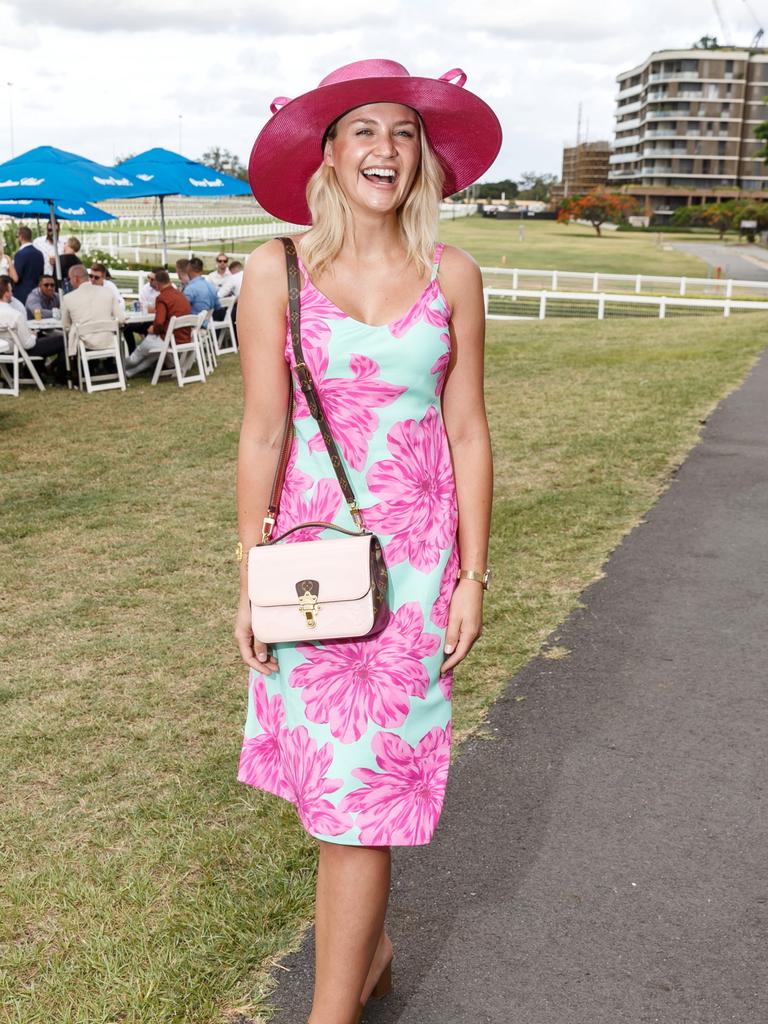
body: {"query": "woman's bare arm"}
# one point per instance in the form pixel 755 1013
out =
pixel 261 331
pixel 466 425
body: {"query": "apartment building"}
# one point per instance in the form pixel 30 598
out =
pixel 585 166
pixel 685 124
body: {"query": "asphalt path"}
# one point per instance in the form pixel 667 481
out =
pixel 603 853
pixel 741 262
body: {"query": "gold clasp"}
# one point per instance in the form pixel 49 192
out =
pixel 266 528
pixel 309 605
pixel 355 513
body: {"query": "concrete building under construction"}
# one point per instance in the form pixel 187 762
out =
pixel 585 166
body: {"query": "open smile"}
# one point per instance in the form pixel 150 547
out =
pixel 380 177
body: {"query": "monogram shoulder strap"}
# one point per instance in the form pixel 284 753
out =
pixel 313 402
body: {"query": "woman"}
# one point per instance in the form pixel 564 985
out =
pixel 357 733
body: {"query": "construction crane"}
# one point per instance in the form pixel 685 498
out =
pixel 721 22
pixel 759 34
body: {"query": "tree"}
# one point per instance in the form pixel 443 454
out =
pixel 720 216
pixel 707 43
pixel 536 186
pixel 222 160
pixel 597 206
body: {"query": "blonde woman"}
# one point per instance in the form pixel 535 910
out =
pixel 356 733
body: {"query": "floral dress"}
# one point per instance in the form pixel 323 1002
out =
pixel 357 733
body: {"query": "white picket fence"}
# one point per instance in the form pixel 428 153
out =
pixel 637 284
pixel 530 304
pixel 145 245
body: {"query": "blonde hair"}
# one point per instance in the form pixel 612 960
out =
pixel 331 216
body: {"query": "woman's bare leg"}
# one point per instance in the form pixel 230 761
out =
pixel 352 894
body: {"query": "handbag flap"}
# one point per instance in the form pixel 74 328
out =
pixel 341 567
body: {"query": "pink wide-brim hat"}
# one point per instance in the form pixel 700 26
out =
pixel 462 129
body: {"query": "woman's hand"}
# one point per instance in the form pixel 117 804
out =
pixel 254 653
pixel 465 623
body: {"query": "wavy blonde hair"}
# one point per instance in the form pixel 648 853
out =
pixel 331 215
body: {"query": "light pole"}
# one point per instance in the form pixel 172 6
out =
pixel 180 120
pixel 10 114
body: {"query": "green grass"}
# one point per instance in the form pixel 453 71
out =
pixel 548 246
pixel 141 883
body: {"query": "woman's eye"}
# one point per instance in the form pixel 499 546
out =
pixel 364 131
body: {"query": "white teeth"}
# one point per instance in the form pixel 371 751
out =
pixel 379 172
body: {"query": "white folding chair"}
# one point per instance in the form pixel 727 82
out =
pixel 183 354
pixel 207 344
pixel 85 355
pixel 225 326
pixel 13 354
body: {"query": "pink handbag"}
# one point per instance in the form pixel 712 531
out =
pixel 327 589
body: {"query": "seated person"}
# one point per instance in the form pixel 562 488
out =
pixel 231 289
pixel 44 298
pixel 14 303
pixel 218 276
pixel 149 291
pixel 99 275
pixel 170 302
pixel 49 344
pixel 200 292
pixel 88 302
pixel 182 269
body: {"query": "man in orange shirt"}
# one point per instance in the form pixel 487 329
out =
pixel 169 303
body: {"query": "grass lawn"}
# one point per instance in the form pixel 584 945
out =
pixel 141 883
pixel 551 246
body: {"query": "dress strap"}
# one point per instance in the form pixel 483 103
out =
pixel 436 259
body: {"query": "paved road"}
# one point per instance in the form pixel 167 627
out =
pixel 603 858
pixel 743 262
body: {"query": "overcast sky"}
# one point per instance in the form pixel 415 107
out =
pixel 108 79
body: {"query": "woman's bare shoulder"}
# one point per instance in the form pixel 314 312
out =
pixel 458 272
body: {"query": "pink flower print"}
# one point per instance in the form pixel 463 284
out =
pixel 445 682
pixel 260 756
pixel 304 769
pixel 348 683
pixel 441 364
pixel 439 613
pixel 349 406
pixel 418 496
pixel 316 311
pixel 400 804
pixel 295 508
pixel 422 310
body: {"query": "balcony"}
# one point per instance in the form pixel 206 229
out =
pixel 674 76
pixel 628 126
pixel 622 175
pixel 628 108
pixel 622 158
pixel 661 133
pixel 651 154
pixel 632 90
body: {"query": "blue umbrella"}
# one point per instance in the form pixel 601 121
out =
pixel 63 211
pixel 171 174
pixel 54 175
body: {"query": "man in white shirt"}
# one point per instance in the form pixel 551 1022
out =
pixel 98 276
pixel 234 282
pixel 49 344
pixel 218 276
pixel 149 291
pixel 14 303
pixel 87 302
pixel 45 244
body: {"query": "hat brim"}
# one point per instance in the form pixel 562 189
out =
pixel 462 129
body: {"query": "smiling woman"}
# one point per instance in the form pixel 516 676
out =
pixel 363 412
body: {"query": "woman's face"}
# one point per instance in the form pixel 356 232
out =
pixel 375 154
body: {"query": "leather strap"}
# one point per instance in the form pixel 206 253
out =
pixel 313 402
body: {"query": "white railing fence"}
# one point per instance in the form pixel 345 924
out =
pixel 530 304
pixel 145 245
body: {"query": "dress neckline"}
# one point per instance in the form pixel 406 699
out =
pixel 363 323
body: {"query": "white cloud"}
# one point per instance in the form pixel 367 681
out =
pixel 129 70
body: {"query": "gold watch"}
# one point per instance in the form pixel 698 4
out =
pixel 478 577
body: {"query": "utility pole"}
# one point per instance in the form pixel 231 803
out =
pixel 180 120
pixel 10 114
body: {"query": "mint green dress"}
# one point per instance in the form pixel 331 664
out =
pixel 357 733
